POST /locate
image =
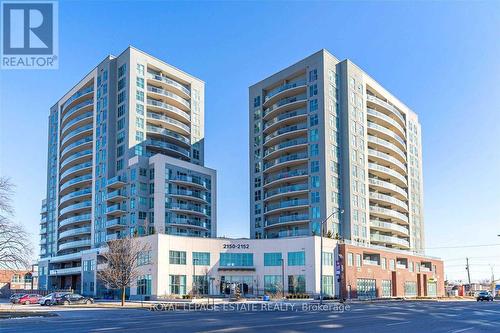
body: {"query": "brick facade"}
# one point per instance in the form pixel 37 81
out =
pixel 376 273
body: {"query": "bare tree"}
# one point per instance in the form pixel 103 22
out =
pixel 15 246
pixel 121 259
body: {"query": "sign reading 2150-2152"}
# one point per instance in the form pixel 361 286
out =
pixel 236 246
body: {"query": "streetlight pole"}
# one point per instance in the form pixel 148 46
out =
pixel 338 211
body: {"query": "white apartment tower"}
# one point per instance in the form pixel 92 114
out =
pixel 324 135
pixel 125 158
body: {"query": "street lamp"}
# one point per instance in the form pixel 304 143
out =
pixel 338 211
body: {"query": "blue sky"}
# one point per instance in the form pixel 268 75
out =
pixel 441 58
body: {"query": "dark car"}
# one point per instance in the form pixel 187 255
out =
pixel 14 298
pixel 52 298
pixel 484 296
pixel 75 299
pixel 29 299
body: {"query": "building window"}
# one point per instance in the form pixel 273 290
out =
pixel 296 258
pixel 315 182
pixel 328 258
pixel 313 119
pixel 272 259
pixel 272 283
pixel 144 285
pixel 178 257
pixel 139 108
pixel 236 259
pixel 349 259
pixel 313 105
pixel 144 258
pixel 140 69
pixel 386 288
pixel 122 70
pixel 358 260
pixel 384 264
pixel 313 90
pixel 313 75
pixel 315 197
pixel 315 212
pixel 139 95
pixel 256 101
pixel 366 288
pixel 392 265
pixel 313 135
pixel 140 82
pixel 314 150
pixel 328 288
pixel 178 284
pixel 314 166
pixel 201 258
pixel 410 288
pixel 296 284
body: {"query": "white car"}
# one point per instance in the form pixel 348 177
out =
pixel 51 298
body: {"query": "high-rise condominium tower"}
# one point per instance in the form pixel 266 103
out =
pixel 325 136
pixel 125 157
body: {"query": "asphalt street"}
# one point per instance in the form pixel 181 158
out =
pixel 407 317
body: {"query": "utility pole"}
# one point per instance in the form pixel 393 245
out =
pixel 468 273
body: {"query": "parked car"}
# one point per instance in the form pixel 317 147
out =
pixel 52 298
pixel 29 299
pixel 14 298
pixel 484 296
pixel 75 299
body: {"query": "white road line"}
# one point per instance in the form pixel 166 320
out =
pixel 400 323
pixel 462 330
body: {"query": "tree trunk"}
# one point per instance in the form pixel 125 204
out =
pixel 123 296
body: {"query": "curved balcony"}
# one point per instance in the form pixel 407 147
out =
pixel 286 220
pixel 192 181
pixel 79 168
pixel 184 222
pixel 285 132
pixel 191 195
pixel 175 99
pixel 286 190
pixel 285 176
pixel 170 109
pixel 287 160
pixel 75 195
pixel 389 227
pixel 171 148
pixel 384 120
pixel 80 94
pixel 168 133
pixel 385 172
pixel 390 240
pixel 74 220
pixel 86 105
pixel 75 158
pixel 116 182
pixel 285 146
pixel 82 119
pixel 76 146
pixel 382 185
pixel 77 133
pixel 287 205
pixel 389 213
pixel 285 90
pixel 74 244
pixel 74 232
pixel 116 196
pixel 285 104
pixel 187 209
pixel 387 199
pixel 75 208
pixel 116 223
pixel 167 82
pixel 385 133
pixel 285 119
pixel 388 107
pixel 116 209
pixel 386 159
pixel 171 123
pixel 386 147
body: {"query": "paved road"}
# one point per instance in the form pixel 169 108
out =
pixel 408 317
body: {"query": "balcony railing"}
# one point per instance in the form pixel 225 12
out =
pixel 389 226
pixel 286 189
pixel 170 146
pixel 387 185
pixel 76 108
pixel 81 205
pixel 389 239
pixel 74 219
pixel 76 168
pixel 187 207
pixel 167 132
pixel 287 204
pixel 169 94
pixel 286 219
pixel 191 179
pixel 287 158
pixel 288 174
pixel 288 100
pixel 285 144
pixel 75 144
pixel 170 82
pixel 168 107
pixel 389 212
pixel 74 244
pixel 284 116
pixel 284 87
pixel 386 106
pixel 287 129
pixel 387 132
pixel 78 94
pixel 387 157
